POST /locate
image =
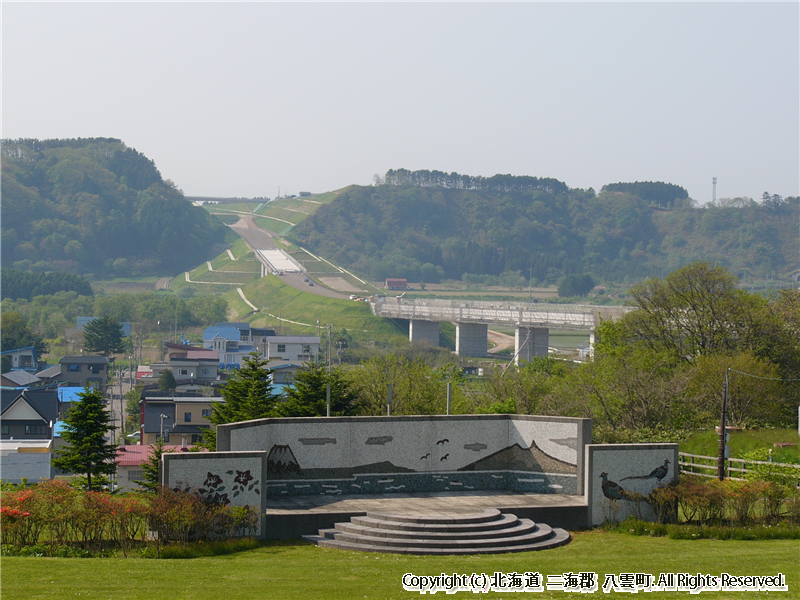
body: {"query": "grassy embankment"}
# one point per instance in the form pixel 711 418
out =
pixel 295 570
pixel 300 311
pixel 742 442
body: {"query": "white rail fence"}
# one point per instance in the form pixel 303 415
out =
pixel 706 466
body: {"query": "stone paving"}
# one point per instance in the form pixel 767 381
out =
pixel 444 503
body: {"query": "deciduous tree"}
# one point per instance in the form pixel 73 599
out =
pixel 15 333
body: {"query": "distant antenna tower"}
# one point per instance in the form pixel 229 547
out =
pixel 714 193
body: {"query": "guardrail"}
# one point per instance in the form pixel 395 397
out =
pixel 697 464
pixel 569 316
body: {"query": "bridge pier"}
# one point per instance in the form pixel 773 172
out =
pixel 423 331
pixel 472 339
pixel 530 342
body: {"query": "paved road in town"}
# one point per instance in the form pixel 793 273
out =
pixel 261 239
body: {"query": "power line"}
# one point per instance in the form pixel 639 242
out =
pixel 761 376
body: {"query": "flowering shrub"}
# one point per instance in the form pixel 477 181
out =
pixel 182 516
pixel 742 497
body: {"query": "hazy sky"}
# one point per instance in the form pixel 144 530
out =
pixel 239 99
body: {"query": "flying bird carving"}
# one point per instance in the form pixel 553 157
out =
pixel 442 442
pixel 658 473
pixel 444 457
pixel 428 455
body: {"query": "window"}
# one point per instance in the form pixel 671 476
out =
pixel 206 413
pixel 183 371
pixel 134 475
pixel 204 371
pixel 35 429
pixel 281 348
pixel 187 417
pixel 74 368
pixel 306 348
pixel 4 428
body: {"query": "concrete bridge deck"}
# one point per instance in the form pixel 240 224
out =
pixel 532 322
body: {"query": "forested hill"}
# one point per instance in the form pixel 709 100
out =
pixel 427 226
pixel 95 206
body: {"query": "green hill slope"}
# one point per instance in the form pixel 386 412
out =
pixel 436 226
pixel 95 206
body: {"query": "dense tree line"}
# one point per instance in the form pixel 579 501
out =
pixel 26 284
pixel 455 181
pixel 429 232
pixel 49 316
pixel 657 192
pixel 94 206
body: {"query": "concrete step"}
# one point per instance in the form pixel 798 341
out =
pixel 560 538
pixel 486 532
pixel 513 526
pixel 539 533
pixel 373 520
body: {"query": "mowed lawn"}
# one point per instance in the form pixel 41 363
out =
pixel 288 570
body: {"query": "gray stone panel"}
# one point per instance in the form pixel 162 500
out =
pixel 235 478
pixel 620 476
pixel 351 455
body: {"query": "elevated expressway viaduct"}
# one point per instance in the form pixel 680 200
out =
pixel 532 323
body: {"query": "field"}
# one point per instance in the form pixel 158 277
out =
pixel 296 570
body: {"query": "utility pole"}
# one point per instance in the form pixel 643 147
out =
pixel 329 348
pixel 723 434
pixel 530 279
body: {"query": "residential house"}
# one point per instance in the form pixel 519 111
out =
pixel 174 416
pixel 227 341
pixel 26 459
pixel 130 460
pixel 19 379
pixel 84 371
pixel 293 348
pixel 193 368
pixel 235 342
pixel 26 433
pixel 50 374
pixel 28 414
pixel 23 358
pixel 283 371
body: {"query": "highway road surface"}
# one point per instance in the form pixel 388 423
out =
pixel 261 239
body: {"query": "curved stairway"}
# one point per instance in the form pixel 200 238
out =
pixel 487 532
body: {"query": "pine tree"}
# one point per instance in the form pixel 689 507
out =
pixel 151 474
pixel 103 335
pixel 87 452
pixel 307 396
pixel 247 395
pixel 166 381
